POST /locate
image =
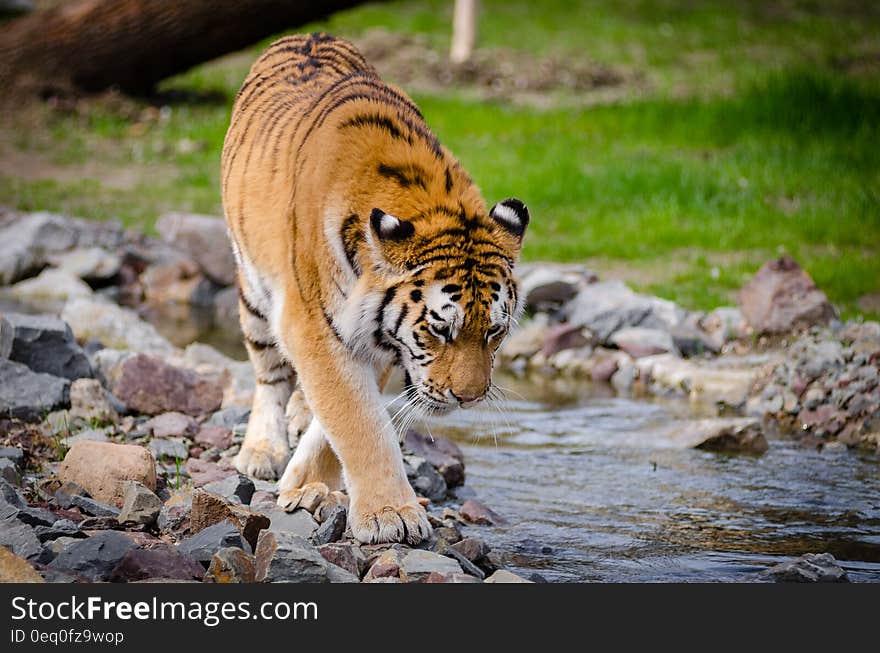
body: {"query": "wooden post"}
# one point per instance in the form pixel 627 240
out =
pixel 464 30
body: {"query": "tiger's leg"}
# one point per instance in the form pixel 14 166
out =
pixel 314 470
pixel 344 395
pixel 265 449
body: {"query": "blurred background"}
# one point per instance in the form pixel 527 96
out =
pixel 675 144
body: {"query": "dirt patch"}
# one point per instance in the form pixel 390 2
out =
pixel 492 73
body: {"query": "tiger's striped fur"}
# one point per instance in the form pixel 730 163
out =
pixel 361 243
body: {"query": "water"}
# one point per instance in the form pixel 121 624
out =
pixel 593 491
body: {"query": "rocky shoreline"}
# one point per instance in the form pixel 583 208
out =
pixel 116 444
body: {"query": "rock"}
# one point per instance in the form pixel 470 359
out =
pixel 203 472
pixel 64 494
pixel 605 366
pixel 115 326
pixel 171 424
pixel 782 297
pixel 6 337
pixel 149 385
pixel 96 557
pixel 388 564
pixel 203 545
pixel 471 548
pixel 231 565
pixel 345 555
pixel 525 341
pixel 103 467
pixel 229 418
pixel 565 336
pixel 608 306
pixel 15 8
pixel 22 541
pixel 28 239
pixel 9 471
pixel 441 453
pixel 475 512
pixel 49 291
pixel 61 528
pixel 809 568
pixel 95 435
pixel 14 569
pixel 418 564
pixel 639 341
pixel 718 434
pixel 436 577
pixel 690 341
pixel 235 487
pixel 288 558
pixel 717 381
pixel 169 448
pixel 226 307
pixel 208 509
pixel 299 522
pixel 339 575
pixel 91 507
pixel 175 512
pixel 504 576
pixel 332 528
pixel 45 344
pixel 93 264
pixel 204 238
pixel 625 376
pixel 466 565
pixel 88 401
pixel 28 395
pixel 548 286
pixel 159 562
pixel 214 436
pixel 14 455
pixel 140 504
pixel 424 478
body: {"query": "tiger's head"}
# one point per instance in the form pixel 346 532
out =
pixel 450 297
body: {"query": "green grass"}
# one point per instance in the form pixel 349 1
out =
pixel 747 138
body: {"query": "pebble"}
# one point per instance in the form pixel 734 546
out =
pixel 94 558
pixel 140 505
pixel 332 528
pixel 203 545
pixel 477 513
pixel 231 565
pixel 287 558
pixel 809 568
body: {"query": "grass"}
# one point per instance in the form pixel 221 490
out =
pixel 755 132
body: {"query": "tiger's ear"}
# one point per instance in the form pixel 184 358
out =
pixel 387 227
pixel 512 215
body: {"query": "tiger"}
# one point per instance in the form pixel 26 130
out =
pixel 361 245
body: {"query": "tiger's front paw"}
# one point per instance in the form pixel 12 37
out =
pixel 308 497
pixel 403 523
pixel 264 460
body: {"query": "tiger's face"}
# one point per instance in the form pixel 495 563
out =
pixel 446 320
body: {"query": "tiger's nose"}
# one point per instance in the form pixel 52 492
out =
pixel 467 399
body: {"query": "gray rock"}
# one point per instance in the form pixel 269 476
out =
pixel 140 505
pixel 92 507
pixel 204 238
pixel 417 564
pixel 231 565
pixel 22 541
pixel 115 326
pixel 6 338
pixel 64 495
pixel 332 528
pixel 162 561
pixel 441 453
pixel 504 576
pixel 94 435
pixel 230 417
pixel 236 488
pixel 347 555
pixel 208 541
pixel 339 575
pixel 171 424
pixel 13 506
pixel 809 568
pixel 28 240
pixel 29 395
pixel 466 565
pixel 94 558
pixel 298 522
pixel 88 263
pixel 175 512
pixel 172 448
pixel 61 528
pixel 640 341
pixel 46 344
pixel 16 7
pixel 609 306
pixel 287 558
pixel 424 478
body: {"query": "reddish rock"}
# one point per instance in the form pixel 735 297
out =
pixel 604 369
pixel 159 562
pixel 454 577
pixel 347 556
pixel 208 509
pixel 782 297
pixel 477 513
pixel 214 436
pixel 204 238
pixel 203 472
pixel 471 548
pixel 441 453
pixel 14 569
pixel 149 385
pixel 564 336
pixel 103 467
pixel 231 565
